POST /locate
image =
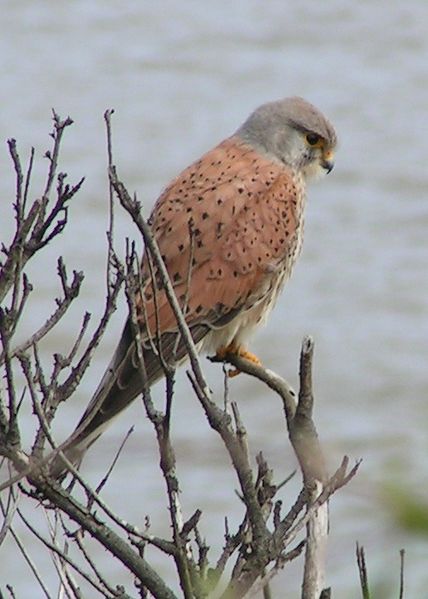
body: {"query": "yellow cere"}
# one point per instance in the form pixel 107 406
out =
pixel 328 153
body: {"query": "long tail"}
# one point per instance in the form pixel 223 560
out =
pixel 120 385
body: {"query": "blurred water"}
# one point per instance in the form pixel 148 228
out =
pixel 181 76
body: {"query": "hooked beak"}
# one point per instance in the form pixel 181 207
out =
pixel 328 165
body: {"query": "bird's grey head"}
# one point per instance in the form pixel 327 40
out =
pixel 292 131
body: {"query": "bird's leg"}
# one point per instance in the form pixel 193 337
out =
pixel 238 350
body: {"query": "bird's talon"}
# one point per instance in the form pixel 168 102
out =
pixel 243 353
pixel 239 351
pixel 233 372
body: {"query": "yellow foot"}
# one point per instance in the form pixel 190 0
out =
pixel 240 351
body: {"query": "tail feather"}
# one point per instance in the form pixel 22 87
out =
pixel 120 385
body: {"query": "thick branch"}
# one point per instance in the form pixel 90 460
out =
pixel 106 536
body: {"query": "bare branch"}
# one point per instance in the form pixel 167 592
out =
pixel 8 512
pixel 35 230
pixel 19 208
pixel 362 569
pixel 27 180
pixel 52 546
pixel 78 537
pixel 305 442
pixel 401 592
pixel 72 381
pixel 57 133
pixel 13 437
pixel 283 559
pixel 107 118
pixel 15 251
pixel 270 378
pixel 106 536
pixel 114 462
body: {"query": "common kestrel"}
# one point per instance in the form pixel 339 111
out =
pixel 229 228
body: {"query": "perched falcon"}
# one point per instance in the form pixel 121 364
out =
pixel 229 228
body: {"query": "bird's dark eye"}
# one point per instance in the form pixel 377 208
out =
pixel 313 139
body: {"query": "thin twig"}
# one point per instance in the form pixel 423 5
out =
pixel 52 546
pixel 110 233
pixel 362 569
pixel 8 512
pixel 27 180
pixel 19 207
pixel 401 593
pixel 114 462
pixel 68 585
pixel 72 381
pixel 59 128
pixel 78 537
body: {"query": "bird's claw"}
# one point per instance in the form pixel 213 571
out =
pixel 239 351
